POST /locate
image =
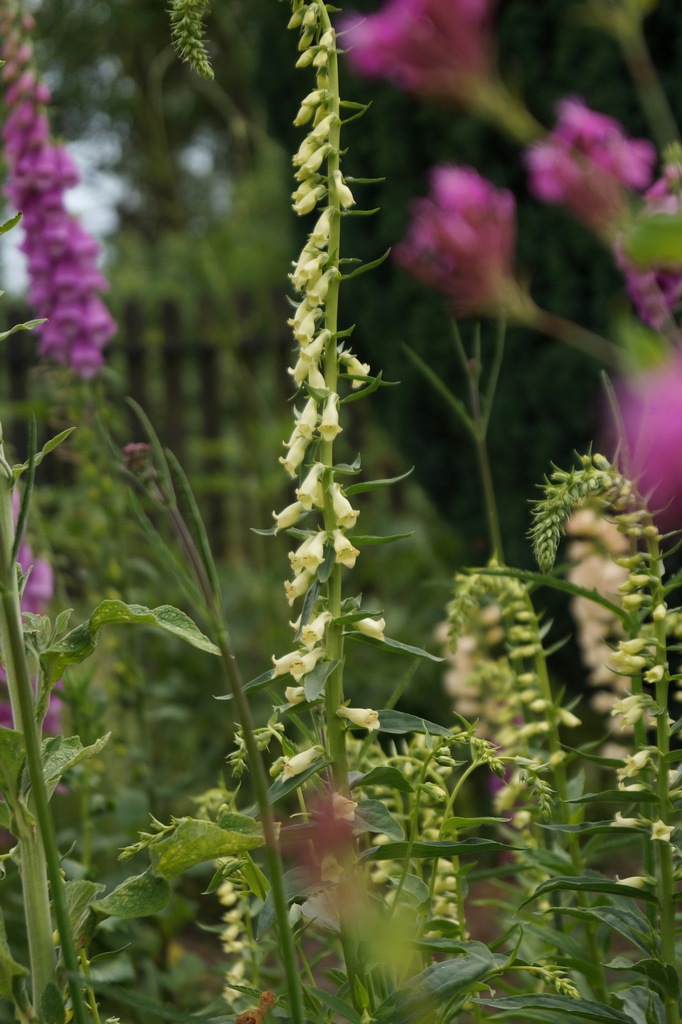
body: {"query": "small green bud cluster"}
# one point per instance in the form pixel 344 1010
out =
pixel 595 480
pixel 187 32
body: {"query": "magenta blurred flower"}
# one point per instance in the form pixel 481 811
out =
pixel 651 413
pixel 434 48
pixel 656 292
pixel 461 241
pixel 62 256
pixel 588 163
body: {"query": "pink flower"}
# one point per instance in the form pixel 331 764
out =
pixel 656 292
pixel 651 412
pixel 434 48
pixel 588 162
pixel 62 256
pixel 461 241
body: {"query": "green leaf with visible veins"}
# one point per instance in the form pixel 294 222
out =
pixel 79 644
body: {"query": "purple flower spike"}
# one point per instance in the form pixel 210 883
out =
pixel 461 241
pixel 433 48
pixel 62 256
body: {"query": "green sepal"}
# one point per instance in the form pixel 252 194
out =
pixel 194 841
pixel 138 896
pixel 79 644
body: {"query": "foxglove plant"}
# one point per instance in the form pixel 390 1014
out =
pixel 65 282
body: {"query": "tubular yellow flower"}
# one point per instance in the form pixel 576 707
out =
pixel 288 516
pixel 295 694
pixel 346 554
pixel 307 421
pixel 345 514
pixel 297 445
pixel 343 808
pixel 661 831
pixel 343 192
pixel 371 627
pixel 310 491
pixel 298 586
pixel 313 631
pixel 365 718
pixel 300 762
pixel 329 424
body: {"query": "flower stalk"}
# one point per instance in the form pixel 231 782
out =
pixel 39 855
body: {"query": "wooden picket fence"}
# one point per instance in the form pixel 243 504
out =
pixel 216 395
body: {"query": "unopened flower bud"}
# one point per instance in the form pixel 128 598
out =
pixel 295 694
pixel 329 424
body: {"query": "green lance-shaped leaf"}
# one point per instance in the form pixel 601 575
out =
pixel 194 841
pixel 7 225
pixel 394 646
pixel 50 445
pixel 591 883
pixel 373 816
pixel 28 326
pixel 432 850
pixel 79 644
pixel 9 968
pixel 399 723
pixel 138 896
pixel 441 984
pixel 538 1007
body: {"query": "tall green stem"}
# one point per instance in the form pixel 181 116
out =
pixel 664 853
pixel 40 860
